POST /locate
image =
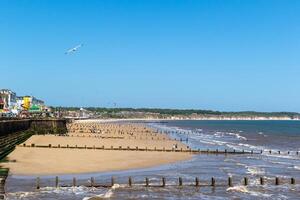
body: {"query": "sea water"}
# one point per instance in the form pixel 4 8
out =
pixel 283 136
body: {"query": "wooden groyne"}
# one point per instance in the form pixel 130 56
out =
pixel 121 148
pixel 171 182
pixel 194 151
pixel 3 175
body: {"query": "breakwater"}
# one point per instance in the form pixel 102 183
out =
pixel 163 182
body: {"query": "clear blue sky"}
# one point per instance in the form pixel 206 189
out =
pixel 221 55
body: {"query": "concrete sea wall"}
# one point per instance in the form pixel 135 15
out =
pixel 39 126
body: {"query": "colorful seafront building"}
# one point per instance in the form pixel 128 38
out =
pixel 13 105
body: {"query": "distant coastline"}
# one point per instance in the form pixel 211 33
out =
pixel 170 114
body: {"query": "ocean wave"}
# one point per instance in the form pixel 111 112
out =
pixel 245 189
pixel 238 136
pixel 254 170
pixel 297 167
pixel 108 194
pixel 238 188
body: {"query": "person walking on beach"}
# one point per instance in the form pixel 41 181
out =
pixel 174 146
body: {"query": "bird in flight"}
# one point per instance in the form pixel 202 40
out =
pixel 73 49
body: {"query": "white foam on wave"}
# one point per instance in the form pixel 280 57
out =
pixel 238 188
pixel 244 189
pixel 238 136
pixel 297 167
pixel 254 170
pixel 107 194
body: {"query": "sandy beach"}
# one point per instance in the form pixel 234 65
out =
pixel 50 161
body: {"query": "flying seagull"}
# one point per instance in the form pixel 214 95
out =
pixel 74 49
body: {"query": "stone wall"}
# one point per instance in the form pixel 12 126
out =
pixel 11 126
pixel 38 126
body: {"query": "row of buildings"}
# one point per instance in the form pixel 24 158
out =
pixel 12 105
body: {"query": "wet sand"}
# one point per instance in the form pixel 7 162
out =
pixel 51 161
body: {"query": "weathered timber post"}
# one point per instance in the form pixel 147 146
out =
pixel 293 182
pixel 38 183
pixel 278 152
pixel 163 181
pixel 262 180
pixel 129 181
pixel 180 181
pixel 92 181
pixel 147 181
pixel 276 181
pixel 74 182
pixel 230 181
pixel 245 181
pixel 56 181
pixel 2 189
pixel 196 181
pixel 251 151
pixel 112 181
pixel 213 182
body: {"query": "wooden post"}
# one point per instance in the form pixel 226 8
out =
pixel 230 181
pixel 180 181
pixel 92 181
pixel 56 181
pixel 196 181
pixel 293 181
pixel 147 181
pixel 112 181
pixel 74 182
pixel 38 183
pixel 129 181
pixel 245 181
pixel 251 151
pixel 276 181
pixel 278 152
pixel 261 151
pixel 261 180
pixel 163 181
pixel 213 181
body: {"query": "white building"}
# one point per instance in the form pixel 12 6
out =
pixel 8 101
